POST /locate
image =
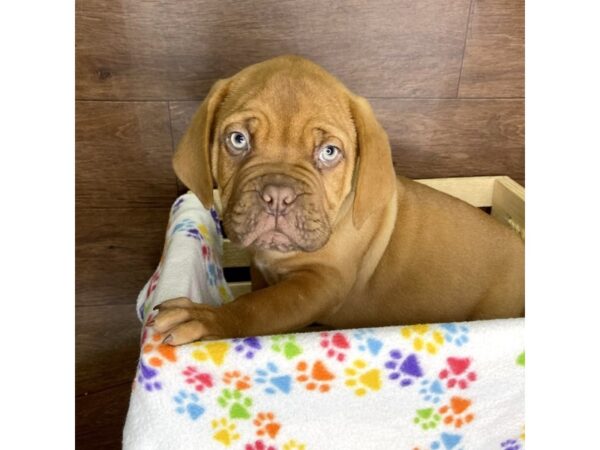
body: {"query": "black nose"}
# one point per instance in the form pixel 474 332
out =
pixel 277 198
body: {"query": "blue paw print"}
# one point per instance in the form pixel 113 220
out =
pixel 511 444
pixel 447 441
pixel 146 377
pixel 404 369
pixel 368 341
pixel 247 346
pixel 432 391
pixel 455 334
pixel 188 403
pixel 273 380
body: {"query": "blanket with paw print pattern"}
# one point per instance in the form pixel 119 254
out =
pixel 442 386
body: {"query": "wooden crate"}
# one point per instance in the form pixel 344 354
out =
pixel 504 196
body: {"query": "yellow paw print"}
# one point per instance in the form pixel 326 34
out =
pixel 423 337
pixel 225 295
pixel 210 351
pixel 361 379
pixel 224 431
pixel 292 444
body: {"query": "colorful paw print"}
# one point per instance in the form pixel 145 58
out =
pixel 247 346
pixel 361 378
pixel 292 444
pixel 367 342
pixel 146 377
pixel 176 205
pixel 224 431
pixel 423 337
pixel 210 351
pixel 403 369
pixel 511 444
pixel 458 373
pixel 315 377
pixel 455 413
pixel 447 441
pixel 521 359
pixel 200 380
pixel 217 221
pixel 266 425
pixel 237 379
pixel 427 418
pixel 432 390
pixel 274 381
pixel 336 345
pixel 286 345
pixel 188 403
pixel 237 404
pixel 158 353
pixel 259 445
pixel 456 334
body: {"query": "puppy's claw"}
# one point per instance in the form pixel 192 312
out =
pixel 169 318
pixel 168 339
pixel 180 302
pixel 185 333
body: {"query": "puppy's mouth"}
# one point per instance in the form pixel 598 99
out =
pixel 277 217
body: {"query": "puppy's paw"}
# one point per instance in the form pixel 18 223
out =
pixel 183 321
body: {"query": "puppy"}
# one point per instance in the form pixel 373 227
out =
pixel 306 181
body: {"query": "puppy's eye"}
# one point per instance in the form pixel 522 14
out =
pixel 237 142
pixel 329 155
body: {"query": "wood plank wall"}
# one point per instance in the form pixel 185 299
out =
pixel 445 79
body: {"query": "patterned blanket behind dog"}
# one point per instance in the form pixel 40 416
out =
pixel 436 386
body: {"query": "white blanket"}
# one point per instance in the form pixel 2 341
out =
pixel 436 386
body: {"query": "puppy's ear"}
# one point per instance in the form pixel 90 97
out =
pixel 191 161
pixel 375 178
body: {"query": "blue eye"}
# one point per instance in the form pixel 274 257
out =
pixel 237 142
pixel 329 154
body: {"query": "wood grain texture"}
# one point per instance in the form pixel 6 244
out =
pixel 454 138
pixel 100 418
pixel 117 250
pixel 171 49
pixel 107 346
pixel 123 155
pixel 437 138
pixel 494 61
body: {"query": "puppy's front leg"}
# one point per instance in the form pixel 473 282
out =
pixel 295 302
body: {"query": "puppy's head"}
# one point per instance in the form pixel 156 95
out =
pixel 281 141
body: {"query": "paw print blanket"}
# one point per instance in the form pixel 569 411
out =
pixel 433 386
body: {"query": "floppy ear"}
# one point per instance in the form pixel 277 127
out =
pixel 375 178
pixel 191 161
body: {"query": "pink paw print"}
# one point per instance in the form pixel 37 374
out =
pixel 259 445
pixel 458 373
pixel 200 380
pixel 336 345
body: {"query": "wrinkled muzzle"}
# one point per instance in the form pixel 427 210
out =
pixel 277 212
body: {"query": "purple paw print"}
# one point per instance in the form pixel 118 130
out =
pixel 146 374
pixel 248 346
pixel 511 444
pixel 406 370
pixel 215 217
pixel 176 205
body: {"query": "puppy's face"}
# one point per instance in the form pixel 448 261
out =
pixel 280 141
pixel 284 152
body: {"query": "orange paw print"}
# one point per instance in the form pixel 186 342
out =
pixel 455 413
pixel 239 380
pixel 316 378
pixel 165 352
pixel 265 424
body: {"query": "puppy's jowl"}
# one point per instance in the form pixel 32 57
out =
pixel 304 171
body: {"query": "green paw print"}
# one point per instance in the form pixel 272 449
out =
pixel 286 345
pixel 427 418
pixel 521 359
pixel 237 403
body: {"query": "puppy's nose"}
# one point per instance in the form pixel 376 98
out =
pixel 277 198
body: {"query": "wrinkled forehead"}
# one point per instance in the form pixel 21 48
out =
pixel 295 96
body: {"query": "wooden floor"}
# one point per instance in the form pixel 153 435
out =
pixel 445 79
